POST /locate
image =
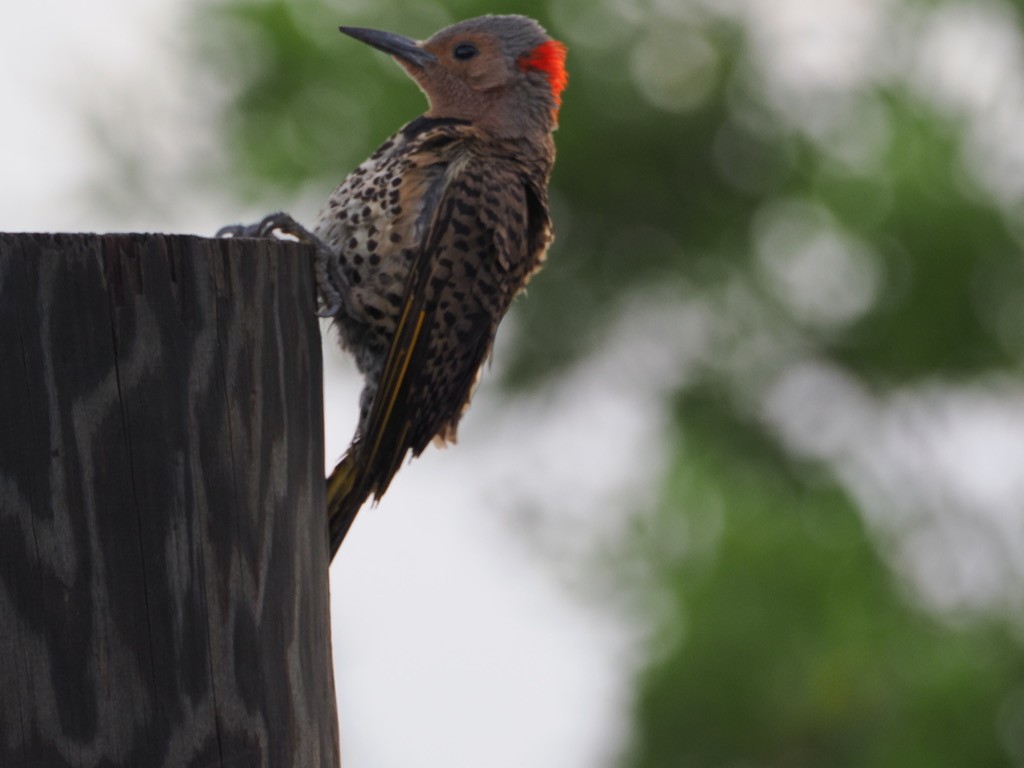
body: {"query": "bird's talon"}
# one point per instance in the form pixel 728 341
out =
pixel 280 224
pixel 231 230
pixel 277 225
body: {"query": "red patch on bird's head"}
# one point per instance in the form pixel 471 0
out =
pixel 548 58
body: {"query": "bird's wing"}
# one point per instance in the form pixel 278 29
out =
pixel 486 236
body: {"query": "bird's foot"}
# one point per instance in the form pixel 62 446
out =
pixel 272 225
pixel 332 286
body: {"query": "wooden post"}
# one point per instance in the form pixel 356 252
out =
pixel 163 551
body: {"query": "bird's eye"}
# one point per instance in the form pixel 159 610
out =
pixel 464 51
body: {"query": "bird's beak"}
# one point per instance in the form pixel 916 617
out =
pixel 405 49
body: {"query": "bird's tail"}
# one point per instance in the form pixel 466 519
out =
pixel 347 490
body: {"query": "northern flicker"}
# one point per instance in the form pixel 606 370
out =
pixel 422 248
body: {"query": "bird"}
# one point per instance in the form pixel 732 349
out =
pixel 423 247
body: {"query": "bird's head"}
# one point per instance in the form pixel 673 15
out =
pixel 502 73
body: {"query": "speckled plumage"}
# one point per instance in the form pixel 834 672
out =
pixel 432 237
pixel 482 202
pixel 440 223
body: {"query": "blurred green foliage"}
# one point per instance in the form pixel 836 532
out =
pixel 857 235
pixel 789 644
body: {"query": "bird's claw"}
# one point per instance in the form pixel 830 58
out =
pixel 332 286
pixel 279 223
pixel 235 230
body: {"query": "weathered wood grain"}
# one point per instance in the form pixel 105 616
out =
pixel 163 560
